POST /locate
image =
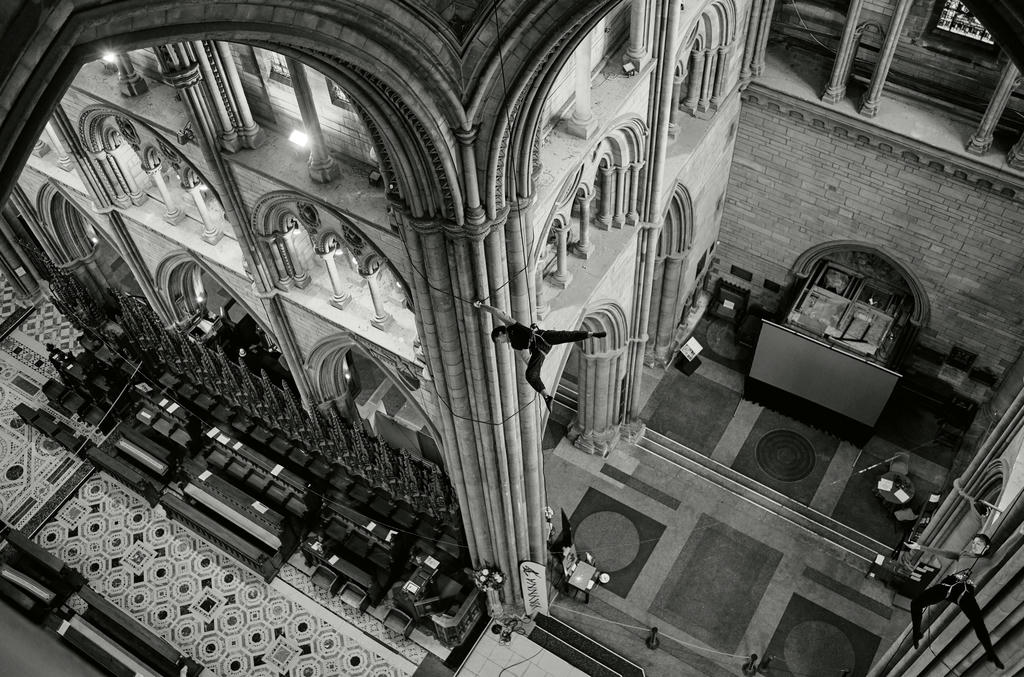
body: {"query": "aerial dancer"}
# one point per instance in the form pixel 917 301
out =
pixel 957 588
pixel 538 341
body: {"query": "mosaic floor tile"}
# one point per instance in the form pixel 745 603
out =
pixel 199 600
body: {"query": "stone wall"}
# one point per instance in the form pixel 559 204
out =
pixel 798 181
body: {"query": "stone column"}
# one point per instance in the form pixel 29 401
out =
pixel 299 272
pixel 647 249
pixel 607 196
pixel 981 140
pixel 1016 156
pixel 696 78
pixel 129 81
pixel 228 136
pixel 17 268
pixel 751 42
pixel 636 51
pixel 322 167
pixel 582 123
pixel 668 307
pixel 252 135
pixel 583 247
pixel 707 80
pixel 764 25
pixel 634 188
pixel 135 193
pixel 381 317
pixel 540 303
pixel 283 280
pixel 212 231
pixel 619 218
pixel 63 159
pixel 845 55
pixel 561 277
pixel 172 214
pixel 721 66
pixel 596 427
pixel 677 92
pixel 339 297
pixel 104 164
pixel 869 103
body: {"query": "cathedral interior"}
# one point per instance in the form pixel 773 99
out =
pixel 254 422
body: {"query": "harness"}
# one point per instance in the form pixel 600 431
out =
pixel 958 584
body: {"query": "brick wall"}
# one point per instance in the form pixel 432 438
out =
pixel 795 184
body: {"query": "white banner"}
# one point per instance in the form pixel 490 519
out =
pixel 534 579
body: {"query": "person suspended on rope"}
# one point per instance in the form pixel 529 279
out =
pixel 957 588
pixel 534 339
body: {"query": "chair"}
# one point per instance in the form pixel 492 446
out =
pixel 354 595
pixel 901 464
pixel 325 578
pixel 398 621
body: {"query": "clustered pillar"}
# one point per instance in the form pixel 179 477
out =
pixel 870 101
pixel 845 55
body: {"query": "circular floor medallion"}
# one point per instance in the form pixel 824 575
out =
pixel 786 455
pixel 818 648
pixel 15 472
pixel 610 537
pixel 721 338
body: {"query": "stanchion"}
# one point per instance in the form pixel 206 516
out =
pixel 765 663
pixel 652 640
pixel 750 667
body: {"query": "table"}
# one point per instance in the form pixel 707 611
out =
pixel 582 576
pixel 895 488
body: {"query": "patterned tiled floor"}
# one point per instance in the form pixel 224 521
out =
pixel 199 600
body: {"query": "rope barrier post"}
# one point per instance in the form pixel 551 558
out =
pixel 652 640
pixel 750 667
pixel 765 663
pixel 845 673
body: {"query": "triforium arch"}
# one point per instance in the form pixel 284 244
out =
pixel 69 230
pixel 601 370
pixel 705 58
pixel 329 374
pixel 868 258
pixel 180 272
pixel 669 293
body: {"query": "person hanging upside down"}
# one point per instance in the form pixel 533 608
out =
pixel 957 588
pixel 538 341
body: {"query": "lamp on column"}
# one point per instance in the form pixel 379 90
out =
pixel 629 69
pixel 186 134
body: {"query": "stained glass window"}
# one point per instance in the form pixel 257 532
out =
pixel 956 18
pixel 279 69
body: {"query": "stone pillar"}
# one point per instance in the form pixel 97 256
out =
pixel 172 214
pixel 111 179
pixel 561 277
pixel 381 317
pixel 981 140
pixel 212 231
pixel 63 159
pixel 677 92
pixel 696 75
pixel 540 303
pixel 339 297
pixel 721 66
pixel 845 55
pixel 282 279
pixel 634 190
pixel 1016 156
pixel 40 148
pixel 750 45
pixel 596 427
pixel 619 218
pixel 129 81
pixel 582 123
pixel 322 167
pixel 636 51
pixel 299 272
pixel 668 306
pixel 17 267
pixel 647 249
pixel 764 25
pixel 135 193
pixel 228 136
pixel 869 103
pixel 607 196
pixel 707 80
pixel 252 135
pixel 583 247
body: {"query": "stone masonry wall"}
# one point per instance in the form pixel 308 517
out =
pixel 796 183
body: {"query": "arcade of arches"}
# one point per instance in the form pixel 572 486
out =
pixel 263 227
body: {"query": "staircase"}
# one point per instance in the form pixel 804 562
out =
pixel 580 651
pixel 823 526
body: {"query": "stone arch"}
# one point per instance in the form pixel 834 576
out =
pixel 178 268
pixel 601 371
pixel 703 57
pixel 407 85
pixel 671 286
pixel 324 366
pixel 68 234
pixel 806 264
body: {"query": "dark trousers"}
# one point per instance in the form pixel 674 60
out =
pixel 966 602
pixel 542 342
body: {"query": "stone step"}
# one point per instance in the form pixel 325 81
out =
pixel 580 651
pixel 854 542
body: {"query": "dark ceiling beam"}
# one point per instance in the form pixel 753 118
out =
pixel 1004 19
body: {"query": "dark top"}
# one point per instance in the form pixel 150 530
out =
pixel 519 335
